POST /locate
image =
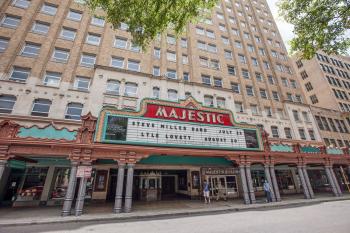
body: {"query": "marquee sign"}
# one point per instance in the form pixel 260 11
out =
pixel 186 124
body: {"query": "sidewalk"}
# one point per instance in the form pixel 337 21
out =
pixel 166 209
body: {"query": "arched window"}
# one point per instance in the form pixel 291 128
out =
pixel 41 107
pixel 113 87
pixel 6 103
pixel 73 111
pixel 156 92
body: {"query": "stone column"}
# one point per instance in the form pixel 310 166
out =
pixel 303 183
pixel 335 180
pixel 70 190
pixel 128 192
pixel 2 167
pixel 308 184
pixel 79 205
pixel 296 181
pixel 244 184
pixel 269 180
pixel 250 185
pixel 119 190
pixel 275 184
pixel 331 182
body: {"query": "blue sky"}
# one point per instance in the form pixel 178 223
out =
pixel 285 29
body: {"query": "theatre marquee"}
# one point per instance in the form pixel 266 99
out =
pixel 186 124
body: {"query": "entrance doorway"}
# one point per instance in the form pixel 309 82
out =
pixel 12 184
pixel 223 186
pixel 168 187
pixel 113 177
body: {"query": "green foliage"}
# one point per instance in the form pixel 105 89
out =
pixel 318 25
pixel 148 18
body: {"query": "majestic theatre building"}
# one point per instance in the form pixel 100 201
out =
pixel 88 117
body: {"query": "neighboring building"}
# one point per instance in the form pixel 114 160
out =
pixel 187 109
pixel 325 80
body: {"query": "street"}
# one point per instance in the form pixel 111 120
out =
pixel 329 217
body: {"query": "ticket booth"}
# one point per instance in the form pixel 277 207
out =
pixel 150 186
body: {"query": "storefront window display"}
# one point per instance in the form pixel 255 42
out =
pixel 33 184
pixel 258 177
pixel 60 183
pixel 285 179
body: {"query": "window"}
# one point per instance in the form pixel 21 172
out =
pixel 3 44
pixel 171 39
pixel 293 84
pixel 238 44
pixel 21 3
pixel 228 54
pixel 225 40
pixel 113 87
pixel 30 50
pixel 209 100
pixel 271 79
pixel 212 48
pixel 206 79
pixel 258 77
pixel 298 98
pixel 117 62
pixel 214 64
pixel 171 56
pixel 289 97
pixel 171 74
pixel 313 99
pixel 123 26
pixel 130 89
pixel 156 71
pixel 73 111
pixel 120 43
pixel 231 70
pixel 285 82
pixel 172 95
pixel 74 15
pixel 88 60
pixel 183 43
pixel 41 107
pixel 156 53
pixel 275 95
pixel 221 103
pixel 306 116
pixel 274 131
pixel 68 33
pixel 200 31
pixel 52 79
pixel 218 82
pixel 19 74
pixel 255 61
pixel 312 135
pixel 263 93
pixel 135 48
pixel 49 9
pixel 10 21
pixel 245 74
pixel 242 58
pixel 201 45
pixel 60 55
pixel 156 92
pixel 302 134
pixel 249 90
pixel 254 109
pixel 222 27
pixel 266 65
pixel 93 39
pixel 235 88
pixel 288 133
pixel 239 107
pixel 6 103
pixel 250 48
pixel 81 83
pixel 204 61
pixel 97 21
pixel 184 59
pixel 186 76
pixel 133 65
pixel 296 115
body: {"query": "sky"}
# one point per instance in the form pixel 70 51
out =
pixel 286 29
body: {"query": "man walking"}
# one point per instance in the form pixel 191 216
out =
pixel 267 190
pixel 206 192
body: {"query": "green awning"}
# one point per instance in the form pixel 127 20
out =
pixel 186 160
pixel 17 164
pixel 53 161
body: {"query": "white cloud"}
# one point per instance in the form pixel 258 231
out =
pixel 285 29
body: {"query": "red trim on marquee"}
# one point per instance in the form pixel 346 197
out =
pixel 187 114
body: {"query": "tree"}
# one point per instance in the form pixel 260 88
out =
pixel 148 18
pixel 318 25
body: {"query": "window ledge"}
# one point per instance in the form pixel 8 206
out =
pixel 42 85
pixel 130 97
pixel 112 95
pixel 12 81
pixel 72 89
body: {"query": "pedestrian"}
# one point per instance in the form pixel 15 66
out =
pixel 206 192
pixel 267 190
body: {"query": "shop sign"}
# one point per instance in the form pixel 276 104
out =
pixel 84 171
pixel 218 171
pixel 176 125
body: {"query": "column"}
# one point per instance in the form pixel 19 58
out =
pixel 70 190
pixel 308 184
pixel 330 180
pixel 47 185
pixel 303 183
pixel 275 184
pixel 2 167
pixel 268 178
pixel 128 192
pixel 79 205
pixel 250 185
pixel 295 180
pixel 244 184
pixel 335 180
pixel 119 190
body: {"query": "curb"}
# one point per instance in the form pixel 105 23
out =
pixel 178 214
